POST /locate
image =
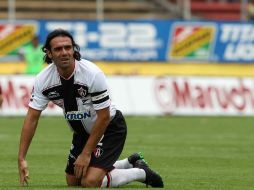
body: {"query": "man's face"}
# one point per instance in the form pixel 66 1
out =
pixel 62 52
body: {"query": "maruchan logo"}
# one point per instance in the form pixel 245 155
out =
pixel 77 115
pixel 197 95
pixel 165 95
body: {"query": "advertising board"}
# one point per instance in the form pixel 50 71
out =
pixel 136 95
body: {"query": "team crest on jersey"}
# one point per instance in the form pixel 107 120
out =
pixel 98 152
pixel 82 92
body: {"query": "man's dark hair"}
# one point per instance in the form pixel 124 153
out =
pixel 56 33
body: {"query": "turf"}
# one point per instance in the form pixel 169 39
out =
pixel 191 153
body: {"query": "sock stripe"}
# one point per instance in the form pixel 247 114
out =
pixel 108 179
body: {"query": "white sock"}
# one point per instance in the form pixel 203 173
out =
pixel 119 177
pixel 123 164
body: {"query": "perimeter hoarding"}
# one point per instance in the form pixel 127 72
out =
pixel 116 40
pixel 152 95
pixel 235 43
pixel 14 36
pixel 144 40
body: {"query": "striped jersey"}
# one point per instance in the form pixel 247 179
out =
pixel 84 92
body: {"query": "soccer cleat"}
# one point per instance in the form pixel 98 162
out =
pixel 134 157
pixel 152 178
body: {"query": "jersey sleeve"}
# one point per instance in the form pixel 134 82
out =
pixel 37 100
pixel 99 92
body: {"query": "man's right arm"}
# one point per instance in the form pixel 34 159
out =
pixel 26 137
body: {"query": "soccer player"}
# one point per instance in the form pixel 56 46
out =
pixel 99 130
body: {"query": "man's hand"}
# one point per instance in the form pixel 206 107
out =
pixel 23 172
pixel 81 165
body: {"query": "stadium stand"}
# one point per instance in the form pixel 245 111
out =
pixel 86 9
pixel 216 10
pixel 132 9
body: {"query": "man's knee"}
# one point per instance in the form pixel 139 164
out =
pixel 90 181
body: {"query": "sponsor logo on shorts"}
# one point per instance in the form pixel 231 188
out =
pixel 98 152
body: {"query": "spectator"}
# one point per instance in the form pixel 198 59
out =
pixel 33 56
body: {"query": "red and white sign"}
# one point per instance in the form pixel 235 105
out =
pixel 136 95
pixel 16 91
pixel 205 95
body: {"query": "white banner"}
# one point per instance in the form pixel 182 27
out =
pixel 136 95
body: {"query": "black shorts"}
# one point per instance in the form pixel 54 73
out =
pixel 107 151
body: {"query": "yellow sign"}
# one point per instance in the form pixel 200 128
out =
pixel 192 41
pixel 156 69
pixel 17 38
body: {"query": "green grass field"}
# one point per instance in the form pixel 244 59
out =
pixel 191 153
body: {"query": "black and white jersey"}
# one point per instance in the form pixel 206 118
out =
pixel 79 96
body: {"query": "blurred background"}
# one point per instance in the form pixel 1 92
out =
pixel 179 57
